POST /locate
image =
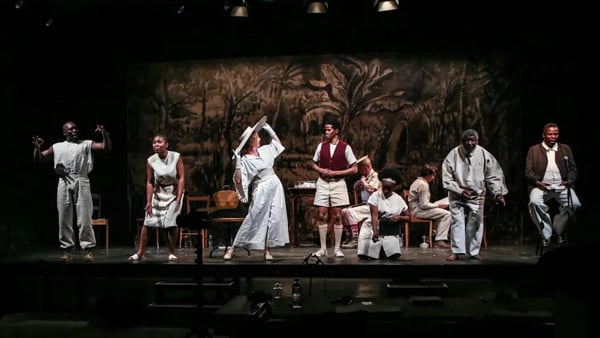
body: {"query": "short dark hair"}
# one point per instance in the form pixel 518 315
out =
pixel 161 135
pixel 550 125
pixel 468 133
pixel 335 124
pixel 426 171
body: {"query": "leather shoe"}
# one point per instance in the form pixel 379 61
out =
pixel 441 244
pixel 452 257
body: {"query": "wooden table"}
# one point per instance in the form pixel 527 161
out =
pixel 296 194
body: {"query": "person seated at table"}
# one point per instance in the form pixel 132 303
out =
pixel 388 210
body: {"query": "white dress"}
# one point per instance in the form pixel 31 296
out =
pixel 266 222
pixel 387 207
pixel 164 198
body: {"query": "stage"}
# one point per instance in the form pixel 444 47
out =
pixel 287 259
pixel 159 293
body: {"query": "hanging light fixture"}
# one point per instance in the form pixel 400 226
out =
pixel 317 7
pixel 240 10
pixel 386 5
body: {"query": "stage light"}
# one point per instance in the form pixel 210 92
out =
pixel 317 7
pixel 181 9
pixel 386 5
pixel 240 10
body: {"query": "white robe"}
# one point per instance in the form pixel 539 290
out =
pixel 266 222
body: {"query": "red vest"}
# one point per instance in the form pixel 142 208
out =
pixel 338 162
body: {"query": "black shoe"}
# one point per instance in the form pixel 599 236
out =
pixel 88 256
pixel 66 256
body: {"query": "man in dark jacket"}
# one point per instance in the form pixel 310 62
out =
pixel 551 171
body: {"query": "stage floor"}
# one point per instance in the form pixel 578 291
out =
pixel 493 254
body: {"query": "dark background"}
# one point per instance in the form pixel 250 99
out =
pixel 74 69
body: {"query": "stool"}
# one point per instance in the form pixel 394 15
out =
pixel 229 222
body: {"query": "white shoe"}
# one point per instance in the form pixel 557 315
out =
pixel 172 258
pixel 135 258
pixel 268 256
pixel 228 254
pixel 338 253
pixel 322 252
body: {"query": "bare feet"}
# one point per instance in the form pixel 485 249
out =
pixel 441 244
pixel 452 257
pixel 477 257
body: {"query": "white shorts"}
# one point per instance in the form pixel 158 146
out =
pixel 331 194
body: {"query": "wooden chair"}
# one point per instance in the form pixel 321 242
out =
pixel 196 203
pixel 226 212
pixel 97 219
pixel 416 220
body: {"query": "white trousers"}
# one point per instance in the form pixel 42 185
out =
pixel 538 210
pixel 73 195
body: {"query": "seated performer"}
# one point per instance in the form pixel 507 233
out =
pixel 354 215
pixel 388 210
pixel 419 201
pixel 551 171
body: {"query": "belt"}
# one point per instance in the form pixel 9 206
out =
pixel 331 179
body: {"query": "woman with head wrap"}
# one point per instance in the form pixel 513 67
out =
pixel 388 210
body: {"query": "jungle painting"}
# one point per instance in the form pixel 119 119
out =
pixel 401 112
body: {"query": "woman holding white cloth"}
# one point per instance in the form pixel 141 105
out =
pixel 388 210
pixel 266 224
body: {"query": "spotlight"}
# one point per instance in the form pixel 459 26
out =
pixel 386 5
pixel 317 7
pixel 240 10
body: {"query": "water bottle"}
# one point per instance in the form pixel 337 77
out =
pixel 210 242
pixel 296 294
pixel 277 290
pixel 424 245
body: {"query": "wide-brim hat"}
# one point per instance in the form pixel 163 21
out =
pixel 248 132
pixel 362 159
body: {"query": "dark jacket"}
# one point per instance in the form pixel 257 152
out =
pixel 536 162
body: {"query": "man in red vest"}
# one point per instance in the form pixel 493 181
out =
pixel 333 160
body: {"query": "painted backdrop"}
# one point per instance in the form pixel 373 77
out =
pixel 402 112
